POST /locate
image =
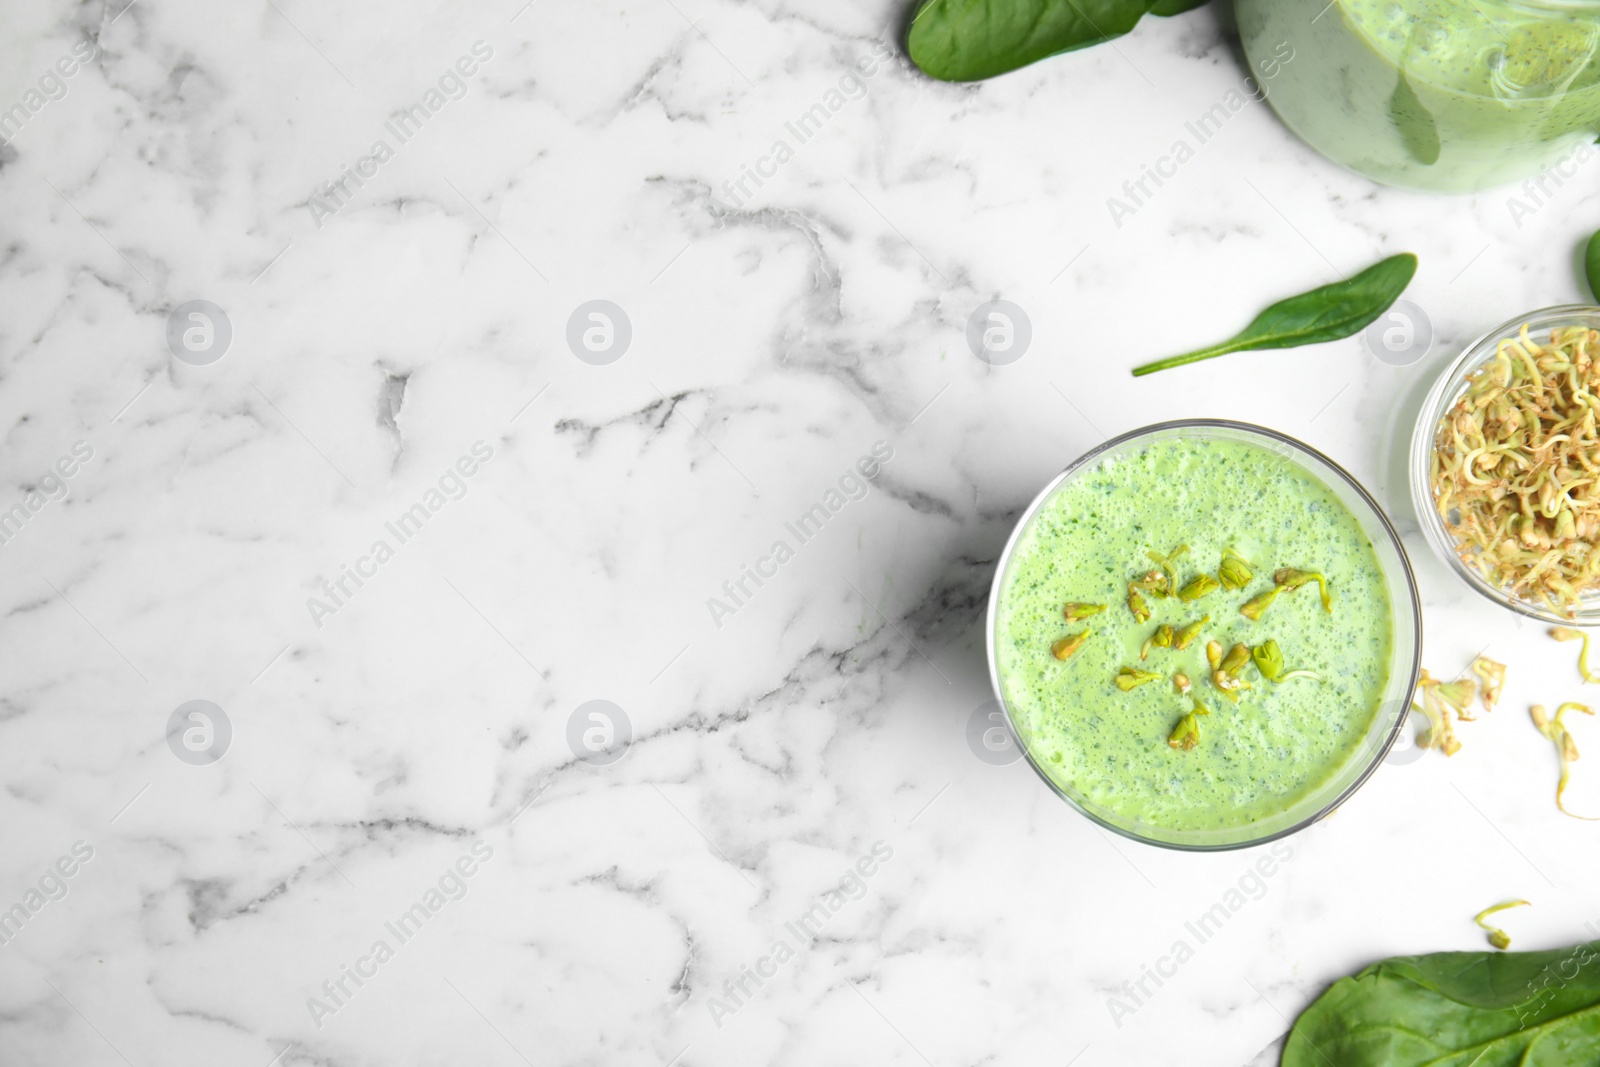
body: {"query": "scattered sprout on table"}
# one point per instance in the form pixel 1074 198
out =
pixel 1553 727
pixel 1497 937
pixel 1459 694
pixel 1438 699
pixel 1562 633
pixel 1491 679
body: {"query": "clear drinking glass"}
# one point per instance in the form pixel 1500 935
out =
pixel 1405 654
pixel 1443 95
pixel 1441 398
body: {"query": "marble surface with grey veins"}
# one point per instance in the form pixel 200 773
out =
pixel 310 416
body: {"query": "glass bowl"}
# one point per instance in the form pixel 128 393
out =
pixel 1441 398
pixel 1405 655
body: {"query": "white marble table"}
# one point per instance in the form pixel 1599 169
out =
pixel 396 765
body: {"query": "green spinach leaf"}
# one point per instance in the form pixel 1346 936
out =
pixel 1452 1009
pixel 1324 314
pixel 1591 265
pixel 1168 8
pixel 968 40
pixel 1418 130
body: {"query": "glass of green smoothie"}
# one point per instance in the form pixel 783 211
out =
pixel 1443 95
pixel 1204 634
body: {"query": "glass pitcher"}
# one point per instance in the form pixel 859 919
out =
pixel 1444 95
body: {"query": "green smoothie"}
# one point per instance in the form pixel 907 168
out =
pixel 1447 95
pixel 1254 758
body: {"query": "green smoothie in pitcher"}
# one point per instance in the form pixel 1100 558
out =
pixel 1447 95
pixel 1193 635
